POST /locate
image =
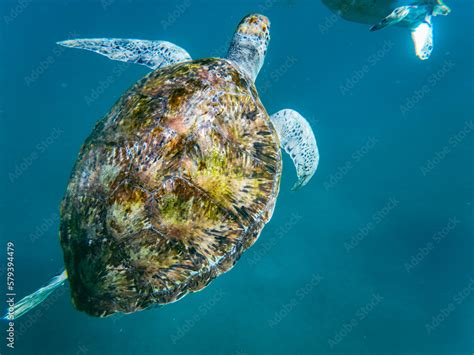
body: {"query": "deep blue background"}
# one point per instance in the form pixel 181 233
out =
pixel 267 304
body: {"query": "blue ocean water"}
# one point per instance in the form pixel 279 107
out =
pixel 374 256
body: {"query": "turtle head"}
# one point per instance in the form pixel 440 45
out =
pixel 249 44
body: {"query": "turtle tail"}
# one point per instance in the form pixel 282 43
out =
pixel 31 301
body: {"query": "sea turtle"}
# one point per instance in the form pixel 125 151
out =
pixel 178 179
pixel 414 14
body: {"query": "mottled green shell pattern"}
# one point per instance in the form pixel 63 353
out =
pixel 174 183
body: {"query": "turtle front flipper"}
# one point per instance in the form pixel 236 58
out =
pixel 297 139
pixel 153 54
pixel 395 17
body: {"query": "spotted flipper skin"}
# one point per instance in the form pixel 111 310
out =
pixel 153 54
pixel 395 17
pixel 297 139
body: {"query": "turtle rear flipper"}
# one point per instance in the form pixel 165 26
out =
pixel 153 54
pixel 36 298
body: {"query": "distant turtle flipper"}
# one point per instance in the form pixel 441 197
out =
pixel 153 54
pixel 441 9
pixel 395 17
pixel 422 35
pixel 418 19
